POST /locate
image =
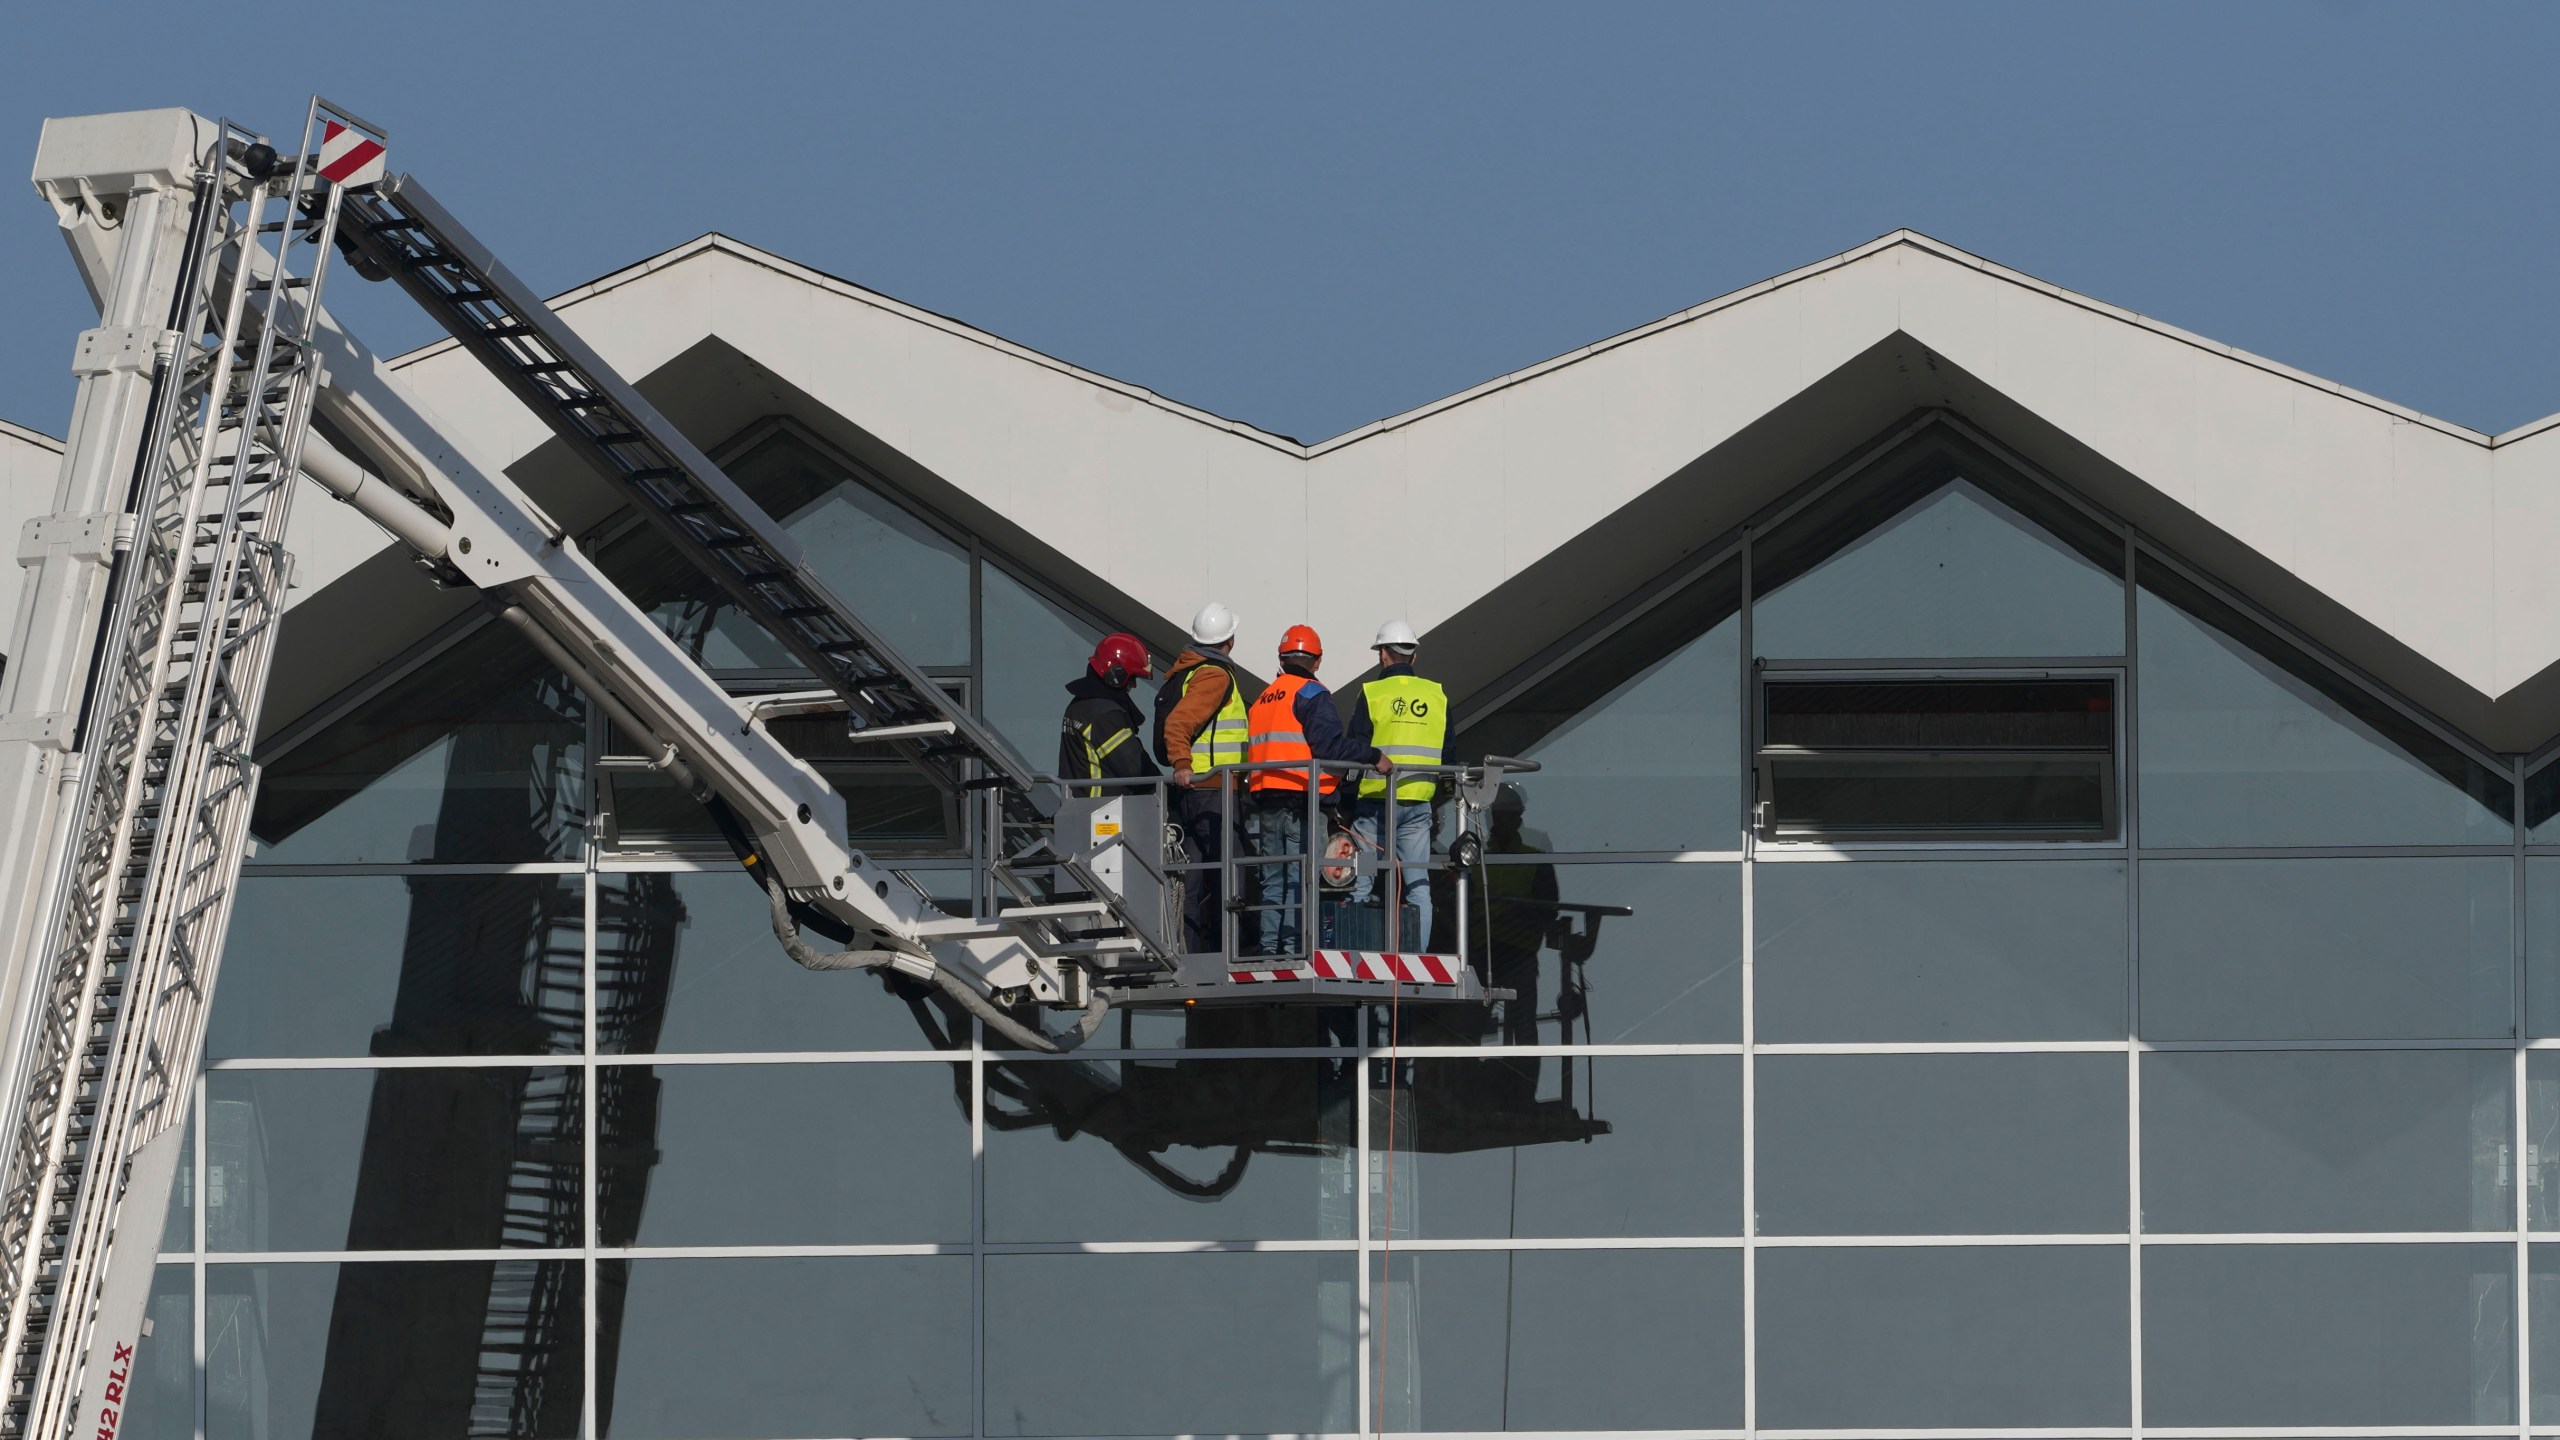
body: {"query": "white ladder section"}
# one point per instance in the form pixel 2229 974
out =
pixel 135 929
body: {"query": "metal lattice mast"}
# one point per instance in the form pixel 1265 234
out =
pixel 161 816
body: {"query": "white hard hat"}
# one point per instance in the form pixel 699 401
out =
pixel 1214 625
pixel 1398 634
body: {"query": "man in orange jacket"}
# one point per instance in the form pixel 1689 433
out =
pixel 1291 720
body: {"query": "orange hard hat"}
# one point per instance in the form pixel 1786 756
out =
pixel 1301 640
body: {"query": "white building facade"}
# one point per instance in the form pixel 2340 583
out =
pixel 2040 916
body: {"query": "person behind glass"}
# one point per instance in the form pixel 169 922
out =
pixel 1202 705
pixel 1100 736
pixel 1293 720
pixel 1407 718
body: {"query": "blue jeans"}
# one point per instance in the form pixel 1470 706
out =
pixel 1275 823
pixel 1413 853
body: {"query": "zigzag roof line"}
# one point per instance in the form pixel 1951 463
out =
pixel 2409 544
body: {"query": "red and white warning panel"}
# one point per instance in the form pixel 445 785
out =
pixel 1360 965
pixel 350 157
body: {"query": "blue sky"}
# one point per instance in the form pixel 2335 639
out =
pixel 1310 216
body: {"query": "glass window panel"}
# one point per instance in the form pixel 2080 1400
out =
pixel 1957 573
pixel 1033 648
pixel 2246 741
pixel 1600 954
pixel 2327 1335
pixel 798 1346
pixel 2345 949
pixel 2542 945
pixel 688 963
pixel 2542 1139
pixel 160 1393
pixel 1538 1146
pixel 474 1159
pixel 905 577
pixel 1895 1337
pixel 178 1229
pixel 1222 1344
pixel 2545 1273
pixel 2271 1140
pixel 402 965
pixel 404 1350
pixel 893 1167
pixel 1170 1150
pixel 1237 1027
pixel 1940 951
pixel 1941 1144
pixel 1561 1340
pixel 2542 804
pixel 892 807
pixel 1640 735
pixel 479 754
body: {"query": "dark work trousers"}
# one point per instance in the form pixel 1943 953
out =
pixel 1205 837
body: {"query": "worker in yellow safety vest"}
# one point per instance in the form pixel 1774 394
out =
pixel 1200 730
pixel 1407 718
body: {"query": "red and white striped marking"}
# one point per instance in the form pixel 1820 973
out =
pixel 1360 965
pixel 348 157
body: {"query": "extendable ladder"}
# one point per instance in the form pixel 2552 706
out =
pixel 398 229
pixel 161 819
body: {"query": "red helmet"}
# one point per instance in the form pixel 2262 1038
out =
pixel 1121 659
pixel 1301 640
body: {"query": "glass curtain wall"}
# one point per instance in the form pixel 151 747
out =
pixel 2227 1123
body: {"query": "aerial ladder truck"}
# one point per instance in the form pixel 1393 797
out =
pixel 216 384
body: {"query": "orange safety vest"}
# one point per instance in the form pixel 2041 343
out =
pixel 1272 732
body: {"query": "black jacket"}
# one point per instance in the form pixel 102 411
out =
pixel 1102 734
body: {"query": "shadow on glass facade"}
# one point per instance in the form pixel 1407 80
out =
pixel 2235 1118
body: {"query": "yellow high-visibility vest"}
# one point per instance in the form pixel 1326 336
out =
pixel 1221 741
pixel 1409 723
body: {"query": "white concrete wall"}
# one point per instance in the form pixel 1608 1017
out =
pixel 2437 535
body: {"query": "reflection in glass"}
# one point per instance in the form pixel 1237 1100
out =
pixel 479 754
pixel 403 965
pixel 1232 1344
pixel 2247 741
pixel 1953 572
pixel 1639 735
pixel 1237 1027
pixel 892 806
pixel 160 1396
pixel 1995 1337
pixel 905 577
pixel 1561 1340
pixel 1941 1144
pixel 2348 949
pixel 1170 1150
pixel 405 1350
pixel 1527 1146
pixel 2542 805
pixel 1598 954
pixel 178 1228
pixel 2542 1140
pixel 2542 945
pixel 2545 1279
pixel 2353 1140
pixel 790 1155
pixel 797 1346
pixel 478 1159
pixel 2327 1335
pixel 1940 951
pixel 688 963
